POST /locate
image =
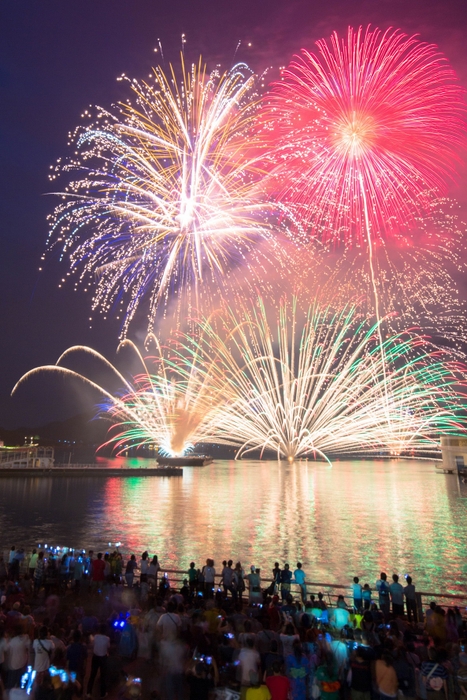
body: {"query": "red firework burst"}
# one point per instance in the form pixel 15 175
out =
pixel 364 133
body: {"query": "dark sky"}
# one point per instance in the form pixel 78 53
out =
pixel 57 57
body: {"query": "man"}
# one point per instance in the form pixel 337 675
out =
pixel 278 684
pixel 410 600
pixel 18 657
pixel 357 594
pixel 382 587
pixel 100 652
pixel 276 576
pixel 360 676
pixel 300 578
pixel 169 624
pixel 98 572
pixel 397 596
pixel 434 677
pixel 286 578
pixel 43 650
pixel 249 661
pixel 228 579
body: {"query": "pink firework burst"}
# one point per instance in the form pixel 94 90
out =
pixel 364 133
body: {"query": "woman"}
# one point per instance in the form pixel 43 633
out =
pixel 298 670
pixel 289 636
pixel 130 570
pixel 386 681
pixel 327 679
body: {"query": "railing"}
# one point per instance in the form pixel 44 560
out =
pixel 330 591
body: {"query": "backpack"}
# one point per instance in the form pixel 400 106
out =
pixel 434 683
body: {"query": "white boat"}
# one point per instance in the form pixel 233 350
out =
pixel 29 456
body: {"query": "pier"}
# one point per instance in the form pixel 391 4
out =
pixel 88 470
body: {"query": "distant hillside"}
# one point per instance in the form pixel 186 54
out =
pixel 81 430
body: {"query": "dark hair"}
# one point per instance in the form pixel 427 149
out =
pixel 43 632
pixel 144 555
pixel 274 646
pixel 388 658
pixel 102 628
pixel 277 667
pixel 76 636
pixel 383 576
pixel 355 579
pixel 249 642
pixel 297 649
pixel 409 579
pixel 99 555
pixel 289 628
pixel 395 578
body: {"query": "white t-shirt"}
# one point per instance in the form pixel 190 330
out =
pixel 144 566
pixel 43 649
pixel 169 624
pixel 18 652
pixel 101 645
pixel 249 660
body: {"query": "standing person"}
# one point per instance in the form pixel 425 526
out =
pixel 276 576
pixel 100 650
pixel 193 577
pixel 209 574
pixel 278 684
pixel 411 600
pixel 434 677
pixel 169 624
pixel 249 661
pixel 254 581
pixel 240 579
pixel 228 580
pixel 386 681
pixel 397 596
pixel 39 572
pixel 359 676
pixel 154 568
pixel 131 566
pixel 144 567
pixel 98 572
pixel 327 677
pixel 43 650
pixel 300 578
pixel 76 656
pixel 18 657
pixel 33 562
pixel 286 578
pixel 298 671
pixel 382 587
pixel 78 572
pixel 357 594
pixel 366 596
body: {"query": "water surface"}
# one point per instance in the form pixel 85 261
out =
pixel 356 517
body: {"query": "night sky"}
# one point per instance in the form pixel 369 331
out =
pixel 58 57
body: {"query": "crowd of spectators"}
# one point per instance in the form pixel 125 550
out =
pixel 68 619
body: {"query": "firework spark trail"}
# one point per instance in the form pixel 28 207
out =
pixel 379 116
pixel 416 277
pixel 163 199
pixel 331 394
pixel 172 407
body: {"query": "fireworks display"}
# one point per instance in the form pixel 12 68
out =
pixel 321 384
pixel 197 193
pixel 364 133
pixel 162 202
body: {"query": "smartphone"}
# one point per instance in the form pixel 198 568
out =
pixel 209 659
pixel 73 675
